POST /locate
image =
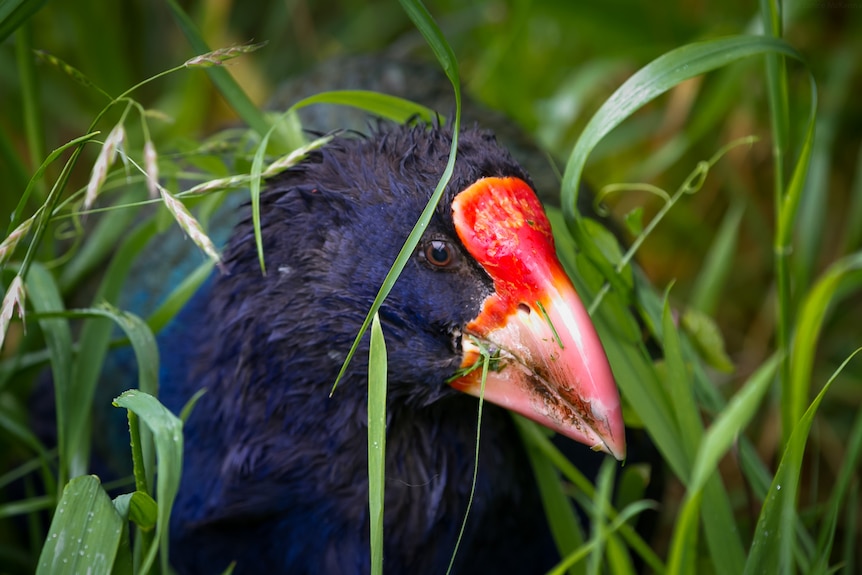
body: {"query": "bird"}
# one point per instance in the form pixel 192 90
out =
pixel 275 466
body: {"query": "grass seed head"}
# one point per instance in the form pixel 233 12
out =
pixel 14 299
pixel 106 159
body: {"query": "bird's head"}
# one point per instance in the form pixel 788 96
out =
pixel 484 279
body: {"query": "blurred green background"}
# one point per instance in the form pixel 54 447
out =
pixel 547 65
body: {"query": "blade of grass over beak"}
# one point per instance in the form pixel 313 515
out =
pixel 434 37
pixel 486 362
pixel 167 432
pixel 774 544
pixel 376 441
pixel 225 83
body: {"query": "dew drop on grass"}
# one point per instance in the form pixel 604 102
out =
pixel 778 487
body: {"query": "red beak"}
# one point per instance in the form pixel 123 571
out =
pixel 548 361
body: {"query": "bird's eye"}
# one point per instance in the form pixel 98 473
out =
pixel 439 253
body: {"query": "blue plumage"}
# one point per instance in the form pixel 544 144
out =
pixel 275 471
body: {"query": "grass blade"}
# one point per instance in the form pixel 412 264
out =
pixel 562 520
pixel 45 298
pixel 649 82
pixel 376 441
pixel 772 549
pixel 166 429
pixel 434 37
pixel 13 13
pixel 376 103
pixel 85 532
pixel 228 87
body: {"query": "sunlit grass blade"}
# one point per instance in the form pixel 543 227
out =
pixel 376 441
pixel 840 279
pixel 167 434
pixel 85 532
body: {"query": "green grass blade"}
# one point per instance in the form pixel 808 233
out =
pixel 139 335
pixel 166 429
pixel 562 520
pixel 376 103
pixel 837 503
pixel 774 544
pixel 810 230
pixel 534 437
pixel 13 13
pixel 44 296
pixel 232 92
pixel 716 441
pixel 376 441
pixel 709 285
pixel 794 391
pixel 680 389
pixel 649 82
pixel 842 275
pixel 93 347
pixel 85 532
pixel 30 98
pixel 181 294
pixel 730 423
